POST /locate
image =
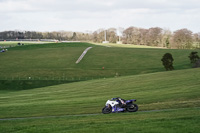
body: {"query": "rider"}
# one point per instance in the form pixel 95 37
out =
pixel 121 101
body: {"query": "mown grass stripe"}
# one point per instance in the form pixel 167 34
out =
pixel 43 117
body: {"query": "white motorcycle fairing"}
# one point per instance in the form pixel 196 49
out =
pixel 111 103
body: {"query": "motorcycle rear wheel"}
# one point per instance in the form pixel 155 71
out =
pixel 132 108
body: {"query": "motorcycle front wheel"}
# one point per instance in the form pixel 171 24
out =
pixel 106 110
pixel 132 108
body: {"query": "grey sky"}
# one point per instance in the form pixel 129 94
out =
pixel 83 15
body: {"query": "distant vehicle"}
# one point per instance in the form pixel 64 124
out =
pixel 120 105
pixel 3 50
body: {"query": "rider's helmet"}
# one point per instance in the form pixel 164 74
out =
pixel 114 98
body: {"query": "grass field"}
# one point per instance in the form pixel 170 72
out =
pixel 153 92
pixel 49 61
pixel 171 99
pixel 174 121
pixel 15 43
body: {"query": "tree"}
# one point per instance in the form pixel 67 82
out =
pixel 154 36
pixel 168 61
pixel 112 35
pixel 193 57
pixel 182 39
pixel 95 37
pixel 74 37
pixel 143 36
pixel 131 35
pixel 140 36
pixel 196 38
pixel 166 35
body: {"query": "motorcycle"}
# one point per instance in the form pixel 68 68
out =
pixel 120 105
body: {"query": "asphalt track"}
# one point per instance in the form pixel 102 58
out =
pixel 65 116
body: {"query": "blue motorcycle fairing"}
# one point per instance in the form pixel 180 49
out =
pixel 117 109
pixel 130 101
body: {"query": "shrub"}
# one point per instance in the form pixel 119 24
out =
pixel 193 57
pixel 168 61
pixel 197 64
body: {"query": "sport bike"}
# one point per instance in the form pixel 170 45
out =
pixel 120 105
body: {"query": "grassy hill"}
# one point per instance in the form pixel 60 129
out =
pixel 50 64
pixel 177 90
pixel 153 91
pixel 54 61
pixel 171 98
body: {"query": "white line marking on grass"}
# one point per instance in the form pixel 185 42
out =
pixel 44 117
pixel 83 54
pixel 77 115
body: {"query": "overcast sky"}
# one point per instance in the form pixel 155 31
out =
pixel 84 15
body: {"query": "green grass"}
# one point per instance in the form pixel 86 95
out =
pixel 43 61
pixel 142 77
pixel 16 84
pixel 174 121
pixel 58 61
pixel 15 43
pixel 153 91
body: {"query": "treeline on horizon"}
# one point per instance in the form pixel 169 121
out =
pixel 156 36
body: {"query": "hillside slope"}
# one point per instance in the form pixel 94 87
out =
pixel 57 61
pixel 163 90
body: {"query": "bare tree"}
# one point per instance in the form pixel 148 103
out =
pixel 154 36
pixel 182 39
pixel 112 35
pixel 166 35
pixel 131 35
pixel 196 39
